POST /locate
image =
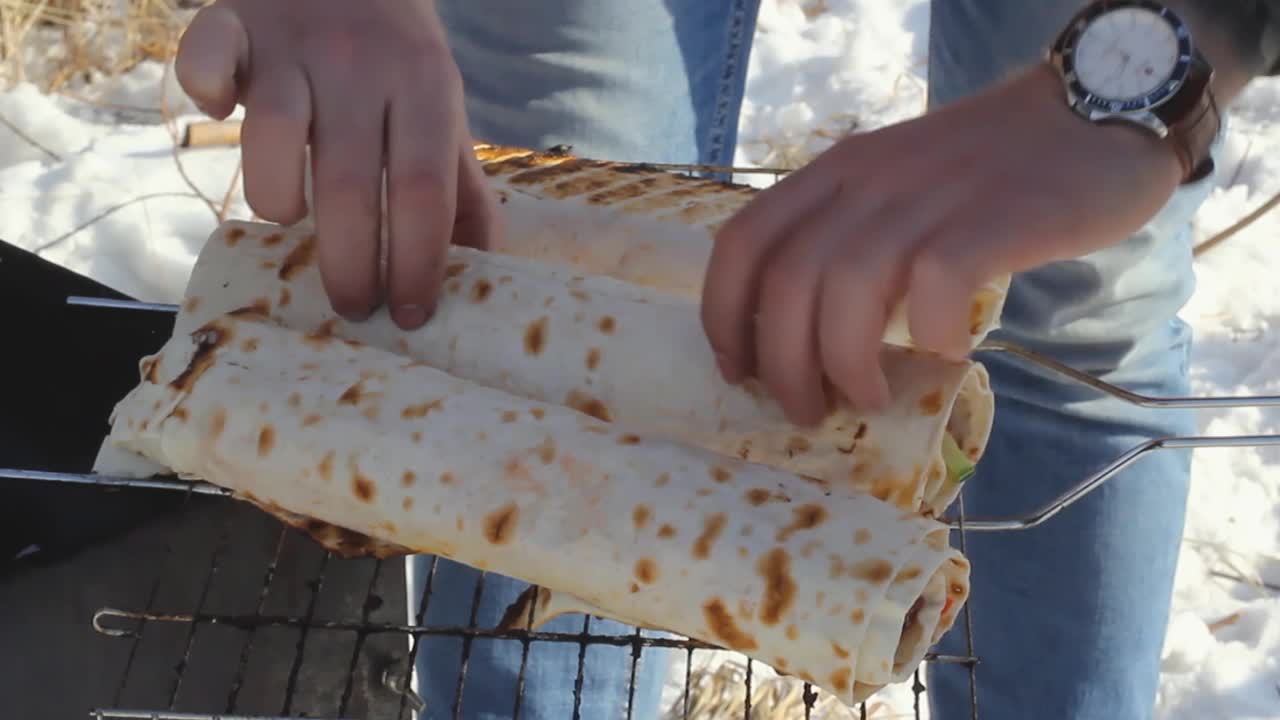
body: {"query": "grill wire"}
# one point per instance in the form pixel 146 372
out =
pixel 393 677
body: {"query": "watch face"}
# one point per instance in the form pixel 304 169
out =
pixel 1126 56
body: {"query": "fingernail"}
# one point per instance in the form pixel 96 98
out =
pixel 410 316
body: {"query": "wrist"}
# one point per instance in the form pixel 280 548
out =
pixel 1045 95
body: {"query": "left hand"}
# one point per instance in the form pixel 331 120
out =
pixel 801 281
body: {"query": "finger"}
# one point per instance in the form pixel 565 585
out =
pixel 944 277
pixel 733 271
pixel 274 136
pixel 478 222
pixel 347 151
pixel 786 356
pixel 422 180
pixel 853 307
pixel 213 51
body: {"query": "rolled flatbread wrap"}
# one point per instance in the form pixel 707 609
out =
pixel 642 224
pixel 624 353
pixel 839 589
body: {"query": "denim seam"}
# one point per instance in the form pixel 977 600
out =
pixel 728 80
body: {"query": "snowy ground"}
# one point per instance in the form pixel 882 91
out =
pixel 846 64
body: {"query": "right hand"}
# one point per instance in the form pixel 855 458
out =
pixel 365 84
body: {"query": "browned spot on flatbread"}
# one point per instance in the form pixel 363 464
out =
pixel 272 240
pixel 325 468
pixel 421 409
pixel 579 295
pixel 797 445
pixel 310 420
pixel 407 503
pixel 840 652
pixel 298 259
pixel 720 474
pixel 978 310
pixel 931 404
pixel 861 536
pixel 589 404
pixel 779 587
pixel 453 286
pixel 179 413
pixel 535 336
pixel 607 324
pixel 792 633
pixel 234 235
pixel 857 616
pixel 509 416
pixel 500 525
pixel 543 170
pixel 322 335
pixel 416 436
pixel 480 290
pixel 446 478
pixel 362 486
pixel 666 531
pixel 909 574
pixel 270 264
pixel 663 479
pixel 285 297
pixel 640 516
pixel 622 192
pixel 190 304
pixel 538 413
pixel 629 439
pixel 208 340
pixel 873 570
pixel 593 358
pixel 455 269
pixel 840 680
pixel 805 517
pixel 853 442
pixel 704 492
pixel 723 627
pixel 351 396
pixel 408 478
pixel 646 570
pixel 266 440
pixel 295 399
pixel 759 496
pixel 712 526
pixel 547 451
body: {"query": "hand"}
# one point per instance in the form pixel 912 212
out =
pixel 801 280
pixel 366 84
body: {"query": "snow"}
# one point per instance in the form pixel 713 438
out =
pixel 821 68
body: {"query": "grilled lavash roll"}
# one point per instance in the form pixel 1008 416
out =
pixel 837 588
pixel 642 224
pixel 624 353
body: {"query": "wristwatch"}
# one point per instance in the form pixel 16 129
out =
pixel 1135 61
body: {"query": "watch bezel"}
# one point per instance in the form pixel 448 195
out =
pixel 1099 105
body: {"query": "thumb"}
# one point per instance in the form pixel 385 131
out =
pixel 213 51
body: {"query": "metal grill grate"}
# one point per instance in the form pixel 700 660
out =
pixel 329 637
pixel 398 699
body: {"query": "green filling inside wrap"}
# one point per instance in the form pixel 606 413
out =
pixel 959 466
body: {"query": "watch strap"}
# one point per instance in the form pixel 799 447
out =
pixel 1194 121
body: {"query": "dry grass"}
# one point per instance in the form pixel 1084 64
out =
pixel 50 42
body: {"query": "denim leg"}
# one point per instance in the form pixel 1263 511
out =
pixel 1069 618
pixel 652 80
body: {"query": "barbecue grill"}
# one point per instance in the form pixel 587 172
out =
pixel 239 617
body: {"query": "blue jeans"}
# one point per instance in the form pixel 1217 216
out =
pixel 1068 618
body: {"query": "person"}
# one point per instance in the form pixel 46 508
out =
pixel 998 176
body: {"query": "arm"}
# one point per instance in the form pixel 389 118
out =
pixel 801 281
